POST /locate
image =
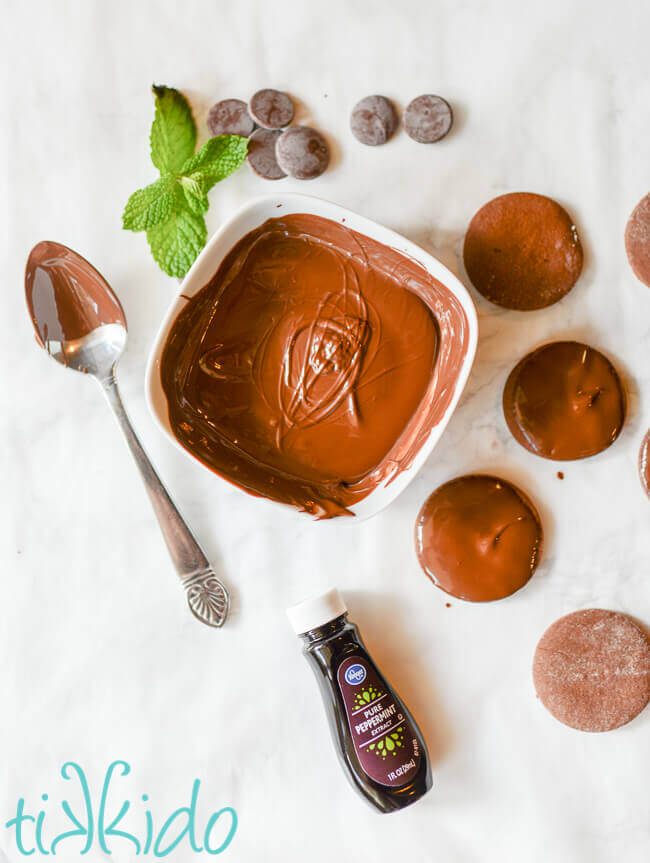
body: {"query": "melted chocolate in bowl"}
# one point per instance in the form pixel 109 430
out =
pixel 313 365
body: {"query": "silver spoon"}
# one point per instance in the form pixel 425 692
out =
pixel 80 323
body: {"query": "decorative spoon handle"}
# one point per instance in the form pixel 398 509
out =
pixel 206 595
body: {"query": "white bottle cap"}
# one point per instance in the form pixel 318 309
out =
pixel 316 612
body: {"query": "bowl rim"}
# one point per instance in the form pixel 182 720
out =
pixel 245 219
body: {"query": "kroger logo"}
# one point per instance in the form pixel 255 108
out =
pixel 355 674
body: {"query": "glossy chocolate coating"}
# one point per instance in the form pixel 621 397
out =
pixel 478 538
pixel 311 368
pixel 67 298
pixel 522 251
pixel 564 401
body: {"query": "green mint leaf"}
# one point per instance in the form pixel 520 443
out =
pixel 171 209
pixel 216 160
pixel 176 242
pixel 148 206
pixel 173 131
pixel 196 198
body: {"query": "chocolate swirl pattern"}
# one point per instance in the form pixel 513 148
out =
pixel 313 364
pixel 322 364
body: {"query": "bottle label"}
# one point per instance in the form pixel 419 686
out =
pixel 384 740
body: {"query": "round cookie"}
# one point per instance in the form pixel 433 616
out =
pixel 522 251
pixel 478 538
pixel 637 240
pixel 230 117
pixel 564 401
pixel 591 670
pixel 373 120
pixel 271 109
pixel 261 154
pixel 644 463
pixel 428 118
pixel 302 152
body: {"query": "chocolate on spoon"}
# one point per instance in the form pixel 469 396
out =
pixel 81 324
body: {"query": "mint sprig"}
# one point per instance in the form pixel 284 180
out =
pixel 176 241
pixel 153 204
pixel 217 159
pixel 173 131
pixel 171 209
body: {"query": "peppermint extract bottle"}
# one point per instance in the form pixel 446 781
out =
pixel 378 742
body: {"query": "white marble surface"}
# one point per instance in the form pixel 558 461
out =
pixel 100 658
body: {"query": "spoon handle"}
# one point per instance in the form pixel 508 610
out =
pixel 206 595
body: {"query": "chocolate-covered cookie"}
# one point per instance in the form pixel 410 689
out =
pixel 428 118
pixel 230 117
pixel 261 154
pixel 591 670
pixel 644 463
pixel 637 240
pixel 302 152
pixel 373 120
pixel 271 109
pixel 522 251
pixel 564 401
pixel 478 538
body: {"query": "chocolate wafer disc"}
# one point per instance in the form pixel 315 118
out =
pixel 522 251
pixel 564 401
pixel 637 240
pixel 592 670
pixel 644 464
pixel 478 538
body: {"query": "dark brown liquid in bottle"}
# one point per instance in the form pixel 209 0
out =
pixel 378 741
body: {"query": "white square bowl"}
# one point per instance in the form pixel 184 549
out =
pixel 251 216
